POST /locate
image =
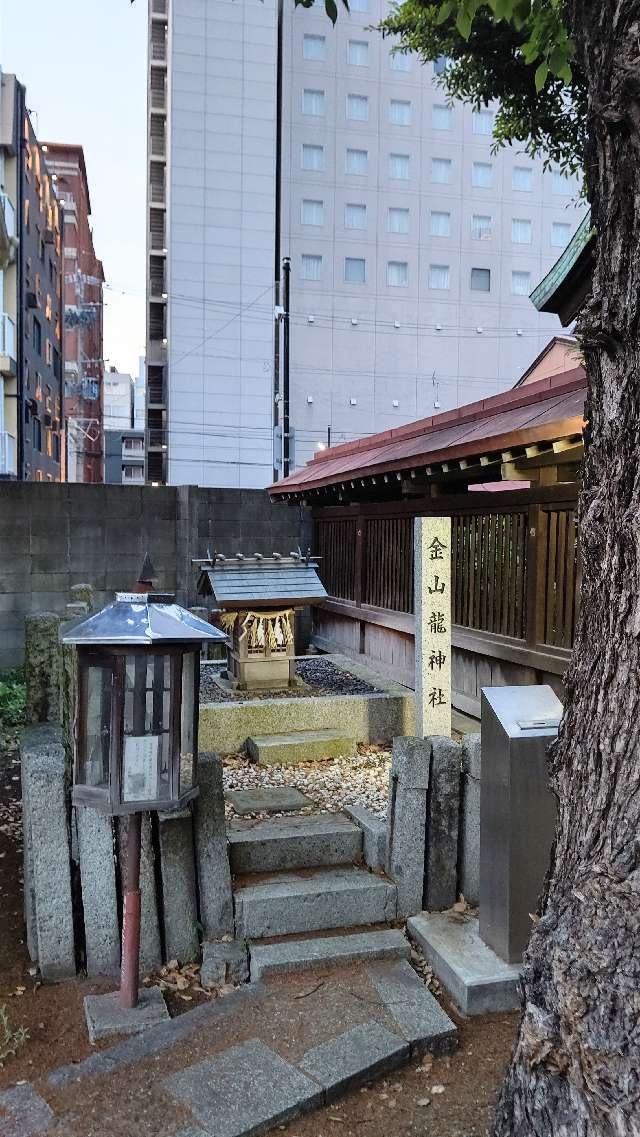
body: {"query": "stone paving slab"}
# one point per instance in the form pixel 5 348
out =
pixel 354 1057
pixel 244 1091
pixel 418 1014
pixel 476 978
pixel 286 843
pixel 331 898
pixel 300 746
pixel 303 955
pixel 269 799
pixel 27 1114
pixel 105 1016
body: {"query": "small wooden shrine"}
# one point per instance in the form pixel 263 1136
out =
pixel 257 597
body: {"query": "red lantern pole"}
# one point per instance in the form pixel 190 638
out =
pixel 129 974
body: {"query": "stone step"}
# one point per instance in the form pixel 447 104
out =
pixel 284 843
pixel 313 901
pixel 300 746
pixel 293 955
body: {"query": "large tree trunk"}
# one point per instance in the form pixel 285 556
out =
pixel 576 1067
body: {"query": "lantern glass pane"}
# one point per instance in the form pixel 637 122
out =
pixel 146 756
pixel 94 769
pixel 187 723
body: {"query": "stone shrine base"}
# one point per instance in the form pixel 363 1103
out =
pixel 476 978
pixel 105 1017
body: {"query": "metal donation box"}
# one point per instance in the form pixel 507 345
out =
pixel 258 597
pixel 137 713
pixel 517 812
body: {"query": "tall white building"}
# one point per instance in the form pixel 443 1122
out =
pixel 413 247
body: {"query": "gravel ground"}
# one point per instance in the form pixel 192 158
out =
pixel 361 780
pixel 319 677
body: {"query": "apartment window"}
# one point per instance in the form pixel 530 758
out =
pixel 480 280
pixel 400 112
pixel 398 220
pixel 397 274
pixel 440 65
pixel 312 212
pixel 438 276
pixel 482 122
pixel 441 170
pixel 560 182
pixel 560 234
pixel 311 266
pixel 520 283
pixel 48 352
pixel 313 102
pixel 441 116
pixel 56 447
pixel 520 231
pixel 356 161
pixel 480 226
pixel 37 434
pixel 27 215
pixel 440 223
pixel 358 52
pixel 36 336
pixel 314 47
pixel 358 107
pixel 51 271
pixel 41 250
pixel 355 270
pixel 399 167
pixel 399 60
pixel 312 157
pixel 133 445
pixel 522 178
pixel 132 473
pixel 355 215
pixel 481 174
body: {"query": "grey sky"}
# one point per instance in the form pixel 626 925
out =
pixel 83 63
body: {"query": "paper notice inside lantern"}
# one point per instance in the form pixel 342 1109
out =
pixel 140 767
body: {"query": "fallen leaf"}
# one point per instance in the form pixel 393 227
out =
pixel 437 1089
pixel 423 1101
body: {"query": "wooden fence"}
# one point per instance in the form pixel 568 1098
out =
pixel 516 583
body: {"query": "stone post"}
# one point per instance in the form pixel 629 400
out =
pixel 443 812
pixel 432 575
pixel 179 901
pixel 212 856
pixel 99 898
pixel 42 667
pixel 470 818
pixel 410 771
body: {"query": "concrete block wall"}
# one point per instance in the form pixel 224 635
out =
pixel 54 535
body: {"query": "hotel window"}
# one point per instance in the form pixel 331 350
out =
pixel 520 231
pixel 480 280
pixel 354 270
pixel 313 102
pixel 398 220
pixel 522 178
pixel 440 223
pixel 311 266
pixel 441 170
pixel 399 60
pixel 560 234
pixel 358 107
pixel 399 167
pixel 441 117
pixel 355 215
pixel 480 226
pixel 312 212
pixel 314 47
pixel 520 283
pixel 312 157
pixel 358 52
pixel 482 122
pixel 400 112
pixel 397 274
pixel 356 161
pixel 560 182
pixel 438 276
pixel 481 175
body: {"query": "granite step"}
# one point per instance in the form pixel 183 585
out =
pixel 294 955
pixel 313 901
pixel 284 843
pixel 300 746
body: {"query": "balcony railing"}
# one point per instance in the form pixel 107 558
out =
pixel 7 336
pixel 7 453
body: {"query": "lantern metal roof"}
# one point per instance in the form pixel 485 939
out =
pixel 138 619
pixel 262 582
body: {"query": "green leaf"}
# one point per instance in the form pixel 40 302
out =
pixel 541 75
pixel 463 23
pixel 331 9
pixel 444 11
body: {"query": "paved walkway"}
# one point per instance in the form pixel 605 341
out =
pixel 242 1064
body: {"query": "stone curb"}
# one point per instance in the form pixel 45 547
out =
pixel 303 955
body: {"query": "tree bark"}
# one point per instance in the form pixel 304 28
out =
pixel 575 1071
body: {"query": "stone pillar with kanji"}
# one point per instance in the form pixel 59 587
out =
pixel 432 575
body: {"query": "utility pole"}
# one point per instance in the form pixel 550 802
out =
pixel 286 283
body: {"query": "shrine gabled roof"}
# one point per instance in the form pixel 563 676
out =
pixel 549 410
pixel 261 582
